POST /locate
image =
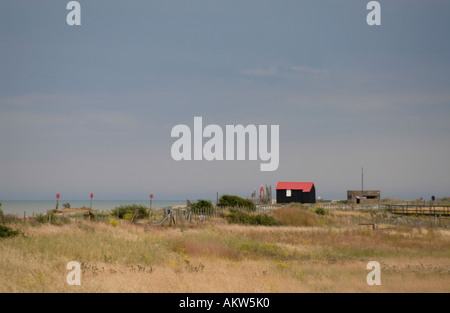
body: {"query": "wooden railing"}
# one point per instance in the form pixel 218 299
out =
pixel 408 209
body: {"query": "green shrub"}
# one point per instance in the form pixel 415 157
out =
pixel 241 217
pixel 202 206
pixel 6 232
pixel 122 210
pixel 320 211
pixel 50 218
pixel 128 216
pixel 264 219
pixel 59 220
pixel 236 202
pixel 41 219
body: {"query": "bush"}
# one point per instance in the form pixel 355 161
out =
pixel 240 217
pixel 128 216
pixel 113 222
pixel 50 218
pixel 41 219
pixel 123 210
pixel 236 202
pixel 6 232
pixel 320 211
pixel 202 206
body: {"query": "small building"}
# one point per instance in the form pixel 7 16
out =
pixel 363 196
pixel 300 192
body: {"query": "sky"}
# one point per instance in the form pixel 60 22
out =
pixel 90 108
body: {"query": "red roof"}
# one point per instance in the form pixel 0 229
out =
pixel 306 187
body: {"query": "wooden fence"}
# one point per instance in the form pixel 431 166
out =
pixel 174 216
pixel 186 215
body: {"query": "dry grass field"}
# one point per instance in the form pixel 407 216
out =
pixel 328 255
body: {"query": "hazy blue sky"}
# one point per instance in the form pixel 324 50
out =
pixel 90 108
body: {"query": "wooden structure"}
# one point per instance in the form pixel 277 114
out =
pixel 418 210
pixel 299 192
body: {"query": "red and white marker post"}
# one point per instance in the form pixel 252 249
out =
pixel 57 200
pixel 92 197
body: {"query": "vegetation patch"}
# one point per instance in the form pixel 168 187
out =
pixel 6 232
pixel 219 257
pixel 236 202
pixel 210 247
pixel 263 249
pixel 240 217
pixel 294 216
pixel 320 211
pixel 50 218
pixel 202 207
pixel 124 211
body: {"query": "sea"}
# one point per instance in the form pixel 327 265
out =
pixel 31 207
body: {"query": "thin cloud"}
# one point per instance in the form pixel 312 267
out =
pixel 309 71
pixel 287 71
pixel 262 72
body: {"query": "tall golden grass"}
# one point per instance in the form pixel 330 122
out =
pixel 293 216
pixel 219 257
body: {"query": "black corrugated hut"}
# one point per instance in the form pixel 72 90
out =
pixel 299 192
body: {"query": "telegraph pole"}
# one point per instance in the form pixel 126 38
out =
pixel 362 185
pixel 362 179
